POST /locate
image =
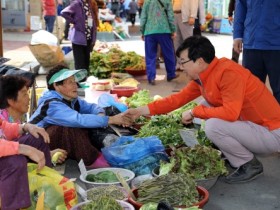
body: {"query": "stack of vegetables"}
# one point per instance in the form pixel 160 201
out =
pixel 176 189
pixel 115 60
pixel 200 162
pixel 166 127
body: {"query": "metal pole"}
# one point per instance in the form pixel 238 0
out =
pixel 1 31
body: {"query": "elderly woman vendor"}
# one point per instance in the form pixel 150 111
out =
pixel 68 118
pixel 16 148
pixel 14 103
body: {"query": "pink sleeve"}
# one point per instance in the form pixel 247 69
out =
pixel 11 130
pixel 8 148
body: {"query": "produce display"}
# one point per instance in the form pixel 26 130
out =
pixel 104 203
pixel 103 177
pixel 200 162
pixel 176 189
pixel 104 27
pixel 139 98
pixel 113 191
pixel 115 60
pixel 166 127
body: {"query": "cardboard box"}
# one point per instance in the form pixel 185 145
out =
pixel 35 8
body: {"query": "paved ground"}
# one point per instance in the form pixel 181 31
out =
pixel 261 194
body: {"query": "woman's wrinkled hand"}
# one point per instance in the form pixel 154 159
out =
pixel 34 154
pixel 36 131
pixel 121 119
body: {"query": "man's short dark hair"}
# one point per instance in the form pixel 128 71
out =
pixel 198 47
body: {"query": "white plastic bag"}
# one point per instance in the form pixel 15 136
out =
pixel 44 37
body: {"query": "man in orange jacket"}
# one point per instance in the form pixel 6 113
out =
pixel 242 116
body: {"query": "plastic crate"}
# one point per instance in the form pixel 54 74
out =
pixel 105 36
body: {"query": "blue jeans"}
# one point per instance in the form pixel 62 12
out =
pixel 49 21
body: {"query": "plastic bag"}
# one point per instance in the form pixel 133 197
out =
pixel 47 55
pixel 44 37
pixel 127 150
pixel 106 100
pixel 60 192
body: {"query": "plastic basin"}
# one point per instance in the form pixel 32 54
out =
pixel 124 91
pixel 123 172
pixel 125 205
pixel 136 72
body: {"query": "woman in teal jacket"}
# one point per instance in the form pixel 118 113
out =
pixel 257 28
pixel 157 26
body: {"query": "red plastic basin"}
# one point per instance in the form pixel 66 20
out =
pixel 204 195
pixel 124 91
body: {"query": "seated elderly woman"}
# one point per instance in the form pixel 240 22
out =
pixel 14 103
pixel 68 118
pixel 16 148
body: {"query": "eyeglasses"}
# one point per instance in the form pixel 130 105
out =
pixel 70 82
pixel 182 63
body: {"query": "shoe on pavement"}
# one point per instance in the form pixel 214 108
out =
pixel 152 82
pixel 245 173
pixel 170 79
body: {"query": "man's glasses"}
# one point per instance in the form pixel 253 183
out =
pixel 182 63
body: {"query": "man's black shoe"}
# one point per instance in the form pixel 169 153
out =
pixel 246 172
pixel 152 82
pixel 170 79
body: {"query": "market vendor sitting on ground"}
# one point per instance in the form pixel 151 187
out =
pixel 69 119
pixel 16 149
pixel 242 116
pixel 14 103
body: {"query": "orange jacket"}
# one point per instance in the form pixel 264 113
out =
pixel 233 93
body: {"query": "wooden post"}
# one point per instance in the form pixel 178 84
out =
pixel 1 31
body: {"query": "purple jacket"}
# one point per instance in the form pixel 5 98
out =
pixel 75 14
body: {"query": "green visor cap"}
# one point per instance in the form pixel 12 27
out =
pixel 66 73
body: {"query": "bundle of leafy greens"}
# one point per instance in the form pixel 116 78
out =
pixel 102 177
pixel 176 189
pixel 165 127
pixel 200 162
pixel 104 203
pixel 139 98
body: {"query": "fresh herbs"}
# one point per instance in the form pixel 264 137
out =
pixel 102 177
pixel 200 162
pixel 176 189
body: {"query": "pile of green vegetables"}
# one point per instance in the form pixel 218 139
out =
pixel 139 98
pixel 166 127
pixel 176 189
pixel 115 60
pixel 104 203
pixel 200 162
pixel 103 177
pixel 112 191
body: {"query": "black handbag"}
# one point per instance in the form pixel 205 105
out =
pixel 163 7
